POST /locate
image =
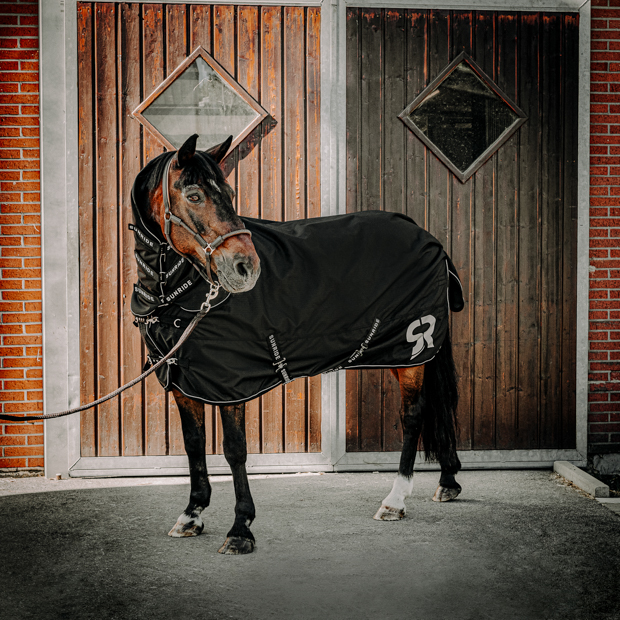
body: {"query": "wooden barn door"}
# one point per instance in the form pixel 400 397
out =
pixel 510 229
pixel 125 51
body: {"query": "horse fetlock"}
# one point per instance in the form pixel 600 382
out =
pixel 187 525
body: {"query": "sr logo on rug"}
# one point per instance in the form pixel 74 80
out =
pixel 420 332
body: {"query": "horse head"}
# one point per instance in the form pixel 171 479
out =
pixel 193 206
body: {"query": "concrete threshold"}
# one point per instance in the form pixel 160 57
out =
pixel 579 478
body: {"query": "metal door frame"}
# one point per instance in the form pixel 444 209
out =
pixel 60 249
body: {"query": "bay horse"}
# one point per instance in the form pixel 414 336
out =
pixel 182 203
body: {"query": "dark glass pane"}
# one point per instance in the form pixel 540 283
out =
pixel 200 101
pixel 463 116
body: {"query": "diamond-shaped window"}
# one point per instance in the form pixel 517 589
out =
pixel 201 97
pixel 463 117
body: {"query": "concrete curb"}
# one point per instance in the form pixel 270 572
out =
pixel 579 478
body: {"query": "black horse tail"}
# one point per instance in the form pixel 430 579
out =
pixel 440 399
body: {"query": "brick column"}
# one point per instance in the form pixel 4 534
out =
pixel 21 385
pixel 604 377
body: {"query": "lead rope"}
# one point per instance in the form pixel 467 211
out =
pixel 204 309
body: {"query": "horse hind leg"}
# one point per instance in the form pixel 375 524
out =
pixel 448 488
pixel 412 402
pixel 193 423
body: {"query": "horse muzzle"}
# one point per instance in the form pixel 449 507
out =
pixel 237 273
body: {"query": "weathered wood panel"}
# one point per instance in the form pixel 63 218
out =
pixel 125 52
pixel 86 198
pixel 107 233
pixel 510 229
pixel 129 71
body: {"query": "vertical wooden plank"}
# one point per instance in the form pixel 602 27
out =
pixel 507 246
pixel 153 75
pixel 353 141
pixel 570 57
pixel 417 79
pixel 529 239
pixel 294 188
pixel 107 228
pixel 200 27
pixel 248 201
pixel 152 66
pixel 371 110
pixel 271 185
pixel 392 432
pixel 484 266
pixel 551 219
pixel 129 134
pixel 462 239
pixel 313 185
pixel 394 101
pixel 224 41
pixel 177 39
pixel 86 191
pixel 439 177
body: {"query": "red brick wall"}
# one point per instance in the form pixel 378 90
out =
pixel 21 385
pixel 604 377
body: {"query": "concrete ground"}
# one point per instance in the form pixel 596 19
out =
pixel 515 545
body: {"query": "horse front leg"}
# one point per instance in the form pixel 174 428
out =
pixel 193 423
pixel 410 379
pixel 240 539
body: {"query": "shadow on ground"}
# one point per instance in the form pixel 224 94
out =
pixel 516 545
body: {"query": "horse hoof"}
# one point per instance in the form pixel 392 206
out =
pixel 235 545
pixel 385 513
pixel 445 494
pixel 187 526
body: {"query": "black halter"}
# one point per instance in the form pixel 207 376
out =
pixel 208 248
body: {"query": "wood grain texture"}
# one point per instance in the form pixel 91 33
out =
pixel 507 292
pixel 248 198
pixel 275 173
pixel 551 236
pixel 107 232
pixel 510 229
pixel 87 218
pixel 484 263
pixel 294 121
pixel 128 70
pixel 272 202
pixel 153 73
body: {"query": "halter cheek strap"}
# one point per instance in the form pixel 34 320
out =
pixel 170 218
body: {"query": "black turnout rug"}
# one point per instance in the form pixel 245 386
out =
pixel 367 290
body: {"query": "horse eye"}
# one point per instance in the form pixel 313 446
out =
pixel 194 198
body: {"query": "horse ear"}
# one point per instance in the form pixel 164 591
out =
pixel 186 152
pixel 218 152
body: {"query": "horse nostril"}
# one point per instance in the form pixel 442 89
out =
pixel 241 268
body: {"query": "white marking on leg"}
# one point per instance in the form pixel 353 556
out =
pixel 393 507
pixel 187 525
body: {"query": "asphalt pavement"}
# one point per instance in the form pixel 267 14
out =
pixel 515 545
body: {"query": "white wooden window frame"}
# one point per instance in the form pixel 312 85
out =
pixel 60 249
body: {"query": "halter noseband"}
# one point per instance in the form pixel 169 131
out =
pixel 170 219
